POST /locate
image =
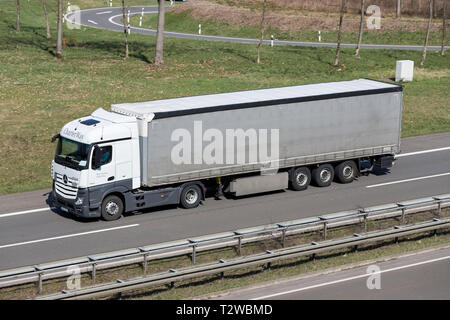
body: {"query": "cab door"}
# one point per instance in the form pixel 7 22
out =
pixel 103 172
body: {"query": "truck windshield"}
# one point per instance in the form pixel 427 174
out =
pixel 72 153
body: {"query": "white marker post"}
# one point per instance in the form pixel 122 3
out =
pixel 171 2
pixel 110 3
pixel 320 38
pixel 142 12
pixel 199 29
pixel 128 16
pixel 140 21
pixel 68 6
pixel 271 40
pixel 128 29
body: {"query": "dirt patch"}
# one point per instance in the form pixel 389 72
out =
pixel 294 19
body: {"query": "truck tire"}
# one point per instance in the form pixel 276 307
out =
pixel 323 175
pixel 190 196
pixel 112 208
pixel 300 178
pixel 346 171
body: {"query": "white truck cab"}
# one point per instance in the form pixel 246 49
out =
pixel 95 155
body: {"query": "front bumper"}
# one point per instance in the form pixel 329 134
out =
pixel 68 205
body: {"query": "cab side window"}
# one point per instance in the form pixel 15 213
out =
pixel 106 154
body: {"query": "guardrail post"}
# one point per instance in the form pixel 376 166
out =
pixel 194 246
pixel 439 209
pixel 94 272
pixel 365 223
pixel 40 283
pixel 283 237
pixel 325 230
pixel 239 247
pixel 144 265
pixel 403 215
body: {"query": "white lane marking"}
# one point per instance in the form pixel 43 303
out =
pixel 350 278
pixel 92 22
pixel 66 236
pixel 421 152
pixel 103 12
pixel 24 212
pixel 408 180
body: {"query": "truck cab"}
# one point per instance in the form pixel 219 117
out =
pixel 96 156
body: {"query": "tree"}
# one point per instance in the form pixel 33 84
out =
pixel 18 16
pixel 160 35
pixel 261 27
pixel 125 31
pixel 425 45
pixel 443 28
pixel 399 8
pixel 361 25
pixel 59 34
pixel 339 39
pixel 44 3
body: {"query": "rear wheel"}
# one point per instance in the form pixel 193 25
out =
pixel 323 175
pixel 190 196
pixel 300 178
pixel 112 208
pixel 346 171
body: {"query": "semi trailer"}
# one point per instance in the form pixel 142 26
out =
pixel 177 151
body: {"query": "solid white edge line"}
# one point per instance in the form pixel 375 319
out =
pixel 103 12
pixel 408 180
pixel 350 278
pixel 92 22
pixel 66 236
pixel 25 212
pixel 421 152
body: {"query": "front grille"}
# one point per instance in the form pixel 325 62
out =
pixel 65 190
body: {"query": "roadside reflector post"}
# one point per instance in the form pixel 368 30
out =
pixel 110 3
pixel 199 28
pixel 142 12
pixel 128 16
pixel 68 6
pixel 140 21
pixel 271 40
pixel 320 37
pixel 128 29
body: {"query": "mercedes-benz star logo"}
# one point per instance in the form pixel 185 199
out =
pixel 65 179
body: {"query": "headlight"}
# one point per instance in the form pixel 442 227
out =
pixel 79 201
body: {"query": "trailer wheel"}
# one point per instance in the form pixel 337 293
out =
pixel 191 196
pixel 346 171
pixel 300 178
pixel 112 208
pixel 323 175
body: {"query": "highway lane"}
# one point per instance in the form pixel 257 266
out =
pixel 424 275
pixel 43 236
pixel 111 19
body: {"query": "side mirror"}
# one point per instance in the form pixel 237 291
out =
pixel 97 157
pixel 56 136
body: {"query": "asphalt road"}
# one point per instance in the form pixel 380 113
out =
pixel 29 236
pixel 421 276
pixel 111 18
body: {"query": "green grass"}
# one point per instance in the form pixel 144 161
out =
pixel 183 22
pixel 39 94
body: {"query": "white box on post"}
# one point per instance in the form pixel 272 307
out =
pixel 404 70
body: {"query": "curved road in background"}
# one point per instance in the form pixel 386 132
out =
pixel 111 19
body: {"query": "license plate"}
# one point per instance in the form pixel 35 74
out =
pixel 64 209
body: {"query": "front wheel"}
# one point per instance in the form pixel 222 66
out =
pixel 190 196
pixel 112 208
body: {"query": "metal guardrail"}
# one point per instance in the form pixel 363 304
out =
pixel 257 259
pixel 92 263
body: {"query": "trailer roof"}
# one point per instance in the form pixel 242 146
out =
pixel 253 98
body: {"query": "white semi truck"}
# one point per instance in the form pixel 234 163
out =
pixel 176 151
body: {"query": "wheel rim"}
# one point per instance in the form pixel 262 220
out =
pixel 325 175
pixel 112 208
pixel 302 179
pixel 347 172
pixel 191 196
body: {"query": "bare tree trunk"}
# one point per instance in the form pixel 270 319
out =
pixel 339 39
pixel 399 8
pixel 261 27
pixel 443 28
pixel 361 26
pixel 125 31
pixel 425 45
pixel 435 8
pixel 18 16
pixel 44 3
pixel 160 34
pixel 59 35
